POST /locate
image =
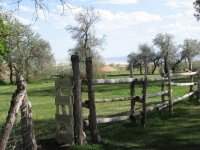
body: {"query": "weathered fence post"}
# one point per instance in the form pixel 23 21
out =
pixel 162 70
pixel 78 120
pixel 191 80
pixel 162 112
pixel 28 136
pixel 92 108
pixel 169 87
pixel 144 96
pixel 17 100
pixel 162 89
pixel 131 69
pixel 198 86
pixel 132 87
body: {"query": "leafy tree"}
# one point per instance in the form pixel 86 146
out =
pixel 175 60
pixel 29 53
pixel 145 53
pixel 191 48
pixel 155 59
pixel 136 59
pixel 166 46
pixel 3 34
pixel 84 33
pixel 197 9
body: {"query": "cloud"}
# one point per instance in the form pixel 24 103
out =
pixel 118 2
pixel 180 3
pixel 24 21
pixel 36 28
pixel 26 8
pixel 114 2
pixel 123 20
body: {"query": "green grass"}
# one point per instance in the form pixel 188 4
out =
pixel 177 132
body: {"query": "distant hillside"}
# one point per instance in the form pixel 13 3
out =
pixel 107 60
pixel 115 60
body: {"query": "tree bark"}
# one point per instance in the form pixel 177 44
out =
pixel 11 72
pixel 140 66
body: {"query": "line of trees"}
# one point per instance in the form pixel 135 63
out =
pixel 23 50
pixel 165 49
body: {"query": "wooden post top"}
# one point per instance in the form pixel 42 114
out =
pixel 74 58
pixel 89 59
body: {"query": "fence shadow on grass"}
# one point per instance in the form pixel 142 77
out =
pixel 50 91
pixel 177 132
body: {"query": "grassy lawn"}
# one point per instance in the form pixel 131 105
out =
pixel 177 132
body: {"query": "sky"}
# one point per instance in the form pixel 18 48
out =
pixel 125 23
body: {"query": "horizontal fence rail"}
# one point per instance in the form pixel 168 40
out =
pixel 185 74
pixel 156 107
pixel 125 80
pixel 183 84
pixel 129 98
pixel 166 104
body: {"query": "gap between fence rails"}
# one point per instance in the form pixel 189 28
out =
pixel 149 109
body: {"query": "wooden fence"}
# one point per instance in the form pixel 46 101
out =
pixel 165 94
pixel 64 118
pixel 19 101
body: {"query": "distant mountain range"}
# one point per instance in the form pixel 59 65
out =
pixel 115 60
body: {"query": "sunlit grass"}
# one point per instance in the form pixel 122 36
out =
pixel 177 132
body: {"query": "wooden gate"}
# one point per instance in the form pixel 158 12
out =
pixel 64 111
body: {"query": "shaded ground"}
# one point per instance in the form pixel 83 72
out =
pixel 51 144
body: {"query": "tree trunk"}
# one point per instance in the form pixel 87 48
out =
pixel 11 72
pixel 176 64
pixel 166 65
pixel 155 65
pixel 154 68
pixel 140 69
pixel 147 69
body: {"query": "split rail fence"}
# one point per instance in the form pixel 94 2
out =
pixel 165 94
pixel 69 108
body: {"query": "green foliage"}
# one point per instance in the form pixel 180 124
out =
pixel 3 45
pixel 191 48
pixel 165 44
pixel 197 9
pixel 84 34
pixel 29 54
